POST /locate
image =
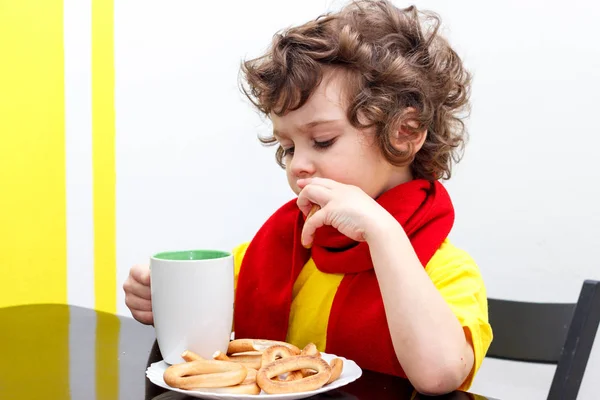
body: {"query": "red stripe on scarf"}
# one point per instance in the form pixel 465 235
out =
pixel 357 327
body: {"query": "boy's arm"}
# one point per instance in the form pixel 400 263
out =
pixel 429 341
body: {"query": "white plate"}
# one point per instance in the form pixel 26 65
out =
pixel 350 373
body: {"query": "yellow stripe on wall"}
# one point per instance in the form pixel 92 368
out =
pixel 103 153
pixel 33 265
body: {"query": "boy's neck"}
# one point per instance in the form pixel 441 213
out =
pixel 401 175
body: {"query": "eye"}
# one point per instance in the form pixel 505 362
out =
pixel 324 144
pixel 288 152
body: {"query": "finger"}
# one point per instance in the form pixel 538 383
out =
pixel 131 286
pixel 137 303
pixel 145 317
pixel 327 183
pixel 310 227
pixel 141 273
pixel 313 194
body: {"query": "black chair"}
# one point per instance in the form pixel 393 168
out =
pixel 549 333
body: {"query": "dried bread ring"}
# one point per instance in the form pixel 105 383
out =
pixel 313 210
pixel 246 353
pixel 245 345
pixel 309 350
pixel 190 356
pixel 204 373
pixel 285 365
pixel 337 364
pixel 250 376
pixel 274 353
pixel 220 356
pixel 248 386
pixel 252 361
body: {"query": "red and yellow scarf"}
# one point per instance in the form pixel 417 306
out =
pixel 357 327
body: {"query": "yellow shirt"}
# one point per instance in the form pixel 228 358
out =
pixel 452 271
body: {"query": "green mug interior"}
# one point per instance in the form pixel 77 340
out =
pixel 191 255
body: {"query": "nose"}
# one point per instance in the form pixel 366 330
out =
pixel 301 165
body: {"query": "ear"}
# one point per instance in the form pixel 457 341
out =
pixel 404 138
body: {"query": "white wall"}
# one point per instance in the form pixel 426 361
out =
pixel 190 172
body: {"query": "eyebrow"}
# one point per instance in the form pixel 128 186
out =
pixel 309 125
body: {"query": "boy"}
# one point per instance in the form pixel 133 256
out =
pixel 366 106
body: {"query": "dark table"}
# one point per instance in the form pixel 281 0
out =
pixel 67 352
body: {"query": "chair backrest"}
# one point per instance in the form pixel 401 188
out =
pixel 554 333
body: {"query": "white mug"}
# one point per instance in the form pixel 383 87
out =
pixel 192 302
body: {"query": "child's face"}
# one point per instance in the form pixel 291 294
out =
pixel 320 142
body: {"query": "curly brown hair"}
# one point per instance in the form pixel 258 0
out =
pixel 400 68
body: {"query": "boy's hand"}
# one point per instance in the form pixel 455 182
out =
pixel 347 208
pixel 137 294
